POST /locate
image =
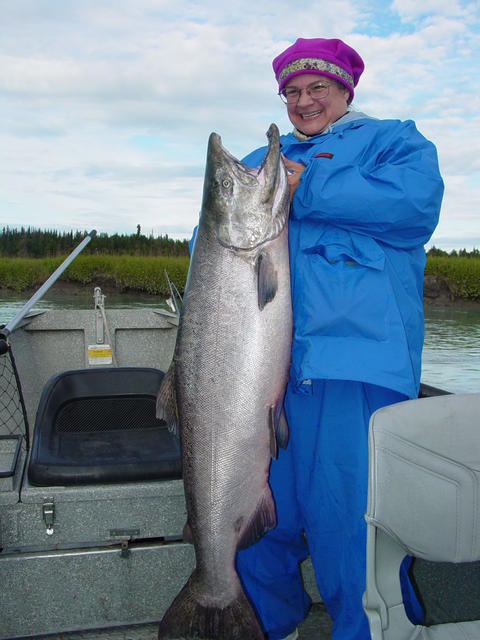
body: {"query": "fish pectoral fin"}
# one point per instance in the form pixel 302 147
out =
pixel 167 401
pixel 278 428
pixel 262 520
pixel 273 437
pixel 282 430
pixel 267 279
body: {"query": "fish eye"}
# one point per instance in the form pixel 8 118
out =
pixel 226 183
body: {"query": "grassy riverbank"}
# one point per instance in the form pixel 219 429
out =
pixel 456 277
pixel 124 273
pixel 460 274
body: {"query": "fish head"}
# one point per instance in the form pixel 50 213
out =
pixel 245 207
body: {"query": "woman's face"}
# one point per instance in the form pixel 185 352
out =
pixel 312 116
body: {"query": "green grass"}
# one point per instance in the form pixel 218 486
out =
pixel 124 272
pixel 147 274
pixel 461 273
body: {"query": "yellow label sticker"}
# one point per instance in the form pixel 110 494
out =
pixel 99 354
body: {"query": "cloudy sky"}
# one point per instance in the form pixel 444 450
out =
pixel 106 105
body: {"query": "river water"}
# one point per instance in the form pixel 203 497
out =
pixel 451 354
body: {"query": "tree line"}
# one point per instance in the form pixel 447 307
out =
pixel 37 243
pixel 462 253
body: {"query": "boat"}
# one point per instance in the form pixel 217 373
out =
pixel 92 506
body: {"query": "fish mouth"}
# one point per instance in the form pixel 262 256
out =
pixel 216 148
pixel 249 206
pixel 222 156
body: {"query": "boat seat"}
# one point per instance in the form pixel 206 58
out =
pixel 99 426
pixel 424 501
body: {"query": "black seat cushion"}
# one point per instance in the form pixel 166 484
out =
pixel 99 425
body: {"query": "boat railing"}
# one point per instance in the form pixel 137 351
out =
pixel 14 426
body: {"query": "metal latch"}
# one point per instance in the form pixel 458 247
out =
pixel 125 536
pixel 48 510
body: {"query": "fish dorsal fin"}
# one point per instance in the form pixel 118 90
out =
pixel 278 428
pixel 167 401
pixel 262 520
pixel 267 279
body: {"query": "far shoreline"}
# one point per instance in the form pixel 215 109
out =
pixel 437 294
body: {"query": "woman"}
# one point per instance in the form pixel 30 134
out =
pixel 365 198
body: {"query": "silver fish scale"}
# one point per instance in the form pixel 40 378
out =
pixel 225 340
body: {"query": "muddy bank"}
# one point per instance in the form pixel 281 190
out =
pixel 436 292
pixel 75 289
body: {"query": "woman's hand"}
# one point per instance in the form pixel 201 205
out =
pixel 294 170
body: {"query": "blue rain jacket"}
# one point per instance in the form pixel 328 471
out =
pixel 367 202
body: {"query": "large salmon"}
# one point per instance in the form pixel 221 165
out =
pixel 225 388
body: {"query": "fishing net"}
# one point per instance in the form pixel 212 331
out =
pixel 13 415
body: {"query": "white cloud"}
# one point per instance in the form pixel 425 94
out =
pixel 86 87
pixel 411 10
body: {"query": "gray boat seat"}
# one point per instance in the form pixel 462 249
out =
pixel 424 501
pixel 99 426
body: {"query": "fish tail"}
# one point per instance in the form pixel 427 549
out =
pixel 188 619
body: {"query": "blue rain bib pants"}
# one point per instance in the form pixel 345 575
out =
pixel 319 484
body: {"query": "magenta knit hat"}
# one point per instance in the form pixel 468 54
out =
pixel 332 58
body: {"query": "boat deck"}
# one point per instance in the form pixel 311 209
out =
pixel 103 514
pixel 316 626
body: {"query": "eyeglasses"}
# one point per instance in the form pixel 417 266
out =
pixel 316 91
